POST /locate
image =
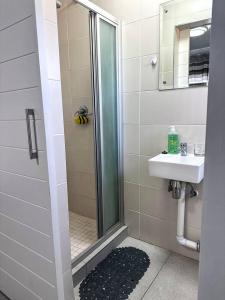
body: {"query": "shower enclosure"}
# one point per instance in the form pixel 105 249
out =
pixel 90 72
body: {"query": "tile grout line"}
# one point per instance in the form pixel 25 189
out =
pixel 166 261
pixel 80 236
pixel 17 22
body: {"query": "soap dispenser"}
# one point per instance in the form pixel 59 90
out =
pixel 173 141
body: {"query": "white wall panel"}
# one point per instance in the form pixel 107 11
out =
pixel 21 73
pixel 28 256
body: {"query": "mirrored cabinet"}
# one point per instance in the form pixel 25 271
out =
pixel 185 27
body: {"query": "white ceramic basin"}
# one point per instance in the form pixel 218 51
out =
pixel 176 167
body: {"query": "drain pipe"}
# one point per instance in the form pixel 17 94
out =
pixel 179 192
pixel 180 222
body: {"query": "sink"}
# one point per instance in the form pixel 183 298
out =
pixel 176 167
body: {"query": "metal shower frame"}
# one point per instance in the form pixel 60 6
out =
pixel 97 14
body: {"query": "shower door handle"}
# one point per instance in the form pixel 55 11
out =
pixel 32 134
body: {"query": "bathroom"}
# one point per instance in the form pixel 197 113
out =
pixel 93 93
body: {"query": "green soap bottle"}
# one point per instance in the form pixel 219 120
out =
pixel 173 141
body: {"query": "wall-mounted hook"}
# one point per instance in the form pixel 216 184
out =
pixel 154 61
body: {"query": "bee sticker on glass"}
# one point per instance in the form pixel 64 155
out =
pixel 81 117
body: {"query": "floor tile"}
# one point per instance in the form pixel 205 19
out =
pixel 83 233
pixel 177 280
pixel 158 258
pixel 76 292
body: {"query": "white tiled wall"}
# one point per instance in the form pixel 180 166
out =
pixel 181 58
pixel 73 24
pixel 150 212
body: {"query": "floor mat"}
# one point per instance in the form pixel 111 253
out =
pixel 116 276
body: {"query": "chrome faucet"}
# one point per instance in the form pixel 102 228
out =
pixel 183 149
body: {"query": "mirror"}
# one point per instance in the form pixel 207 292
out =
pixel 185 27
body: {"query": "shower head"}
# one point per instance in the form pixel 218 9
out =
pixel 58 3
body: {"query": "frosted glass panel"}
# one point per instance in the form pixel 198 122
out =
pixel 108 115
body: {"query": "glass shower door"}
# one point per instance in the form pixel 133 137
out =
pixel 109 193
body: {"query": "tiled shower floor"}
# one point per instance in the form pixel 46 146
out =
pixel 83 233
pixel 169 277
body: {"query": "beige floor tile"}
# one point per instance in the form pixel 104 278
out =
pixel 83 233
pixel 177 280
